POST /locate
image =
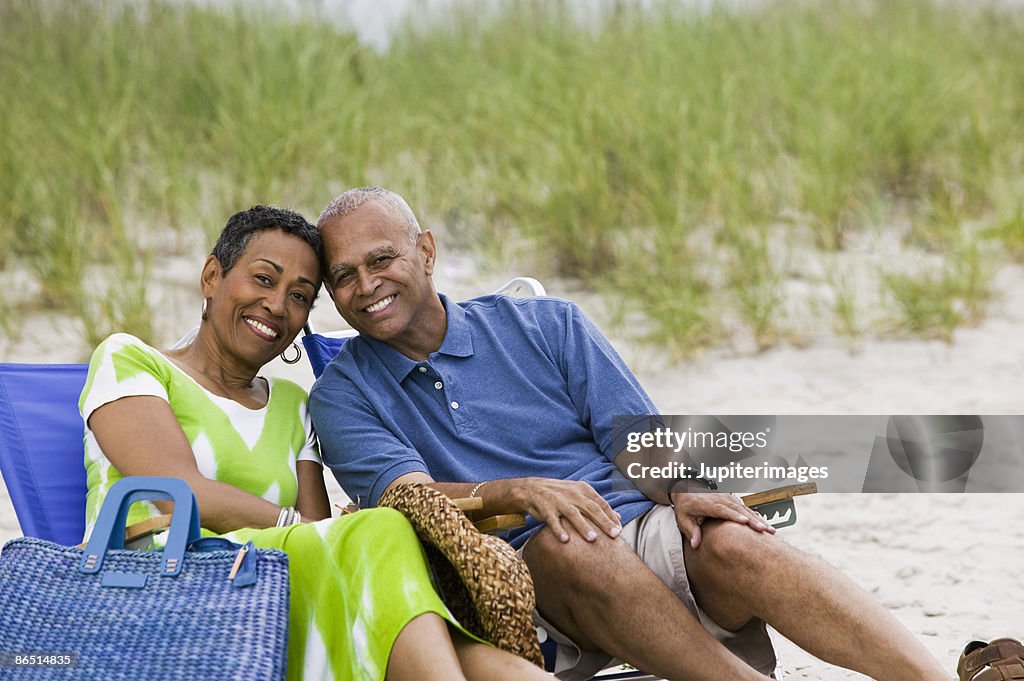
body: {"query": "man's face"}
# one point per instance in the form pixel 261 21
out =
pixel 379 279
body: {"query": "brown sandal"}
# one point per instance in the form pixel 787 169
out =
pixel 1000 660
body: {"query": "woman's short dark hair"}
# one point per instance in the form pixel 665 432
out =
pixel 234 239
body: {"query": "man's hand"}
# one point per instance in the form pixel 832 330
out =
pixel 546 500
pixel 693 508
pixel 557 501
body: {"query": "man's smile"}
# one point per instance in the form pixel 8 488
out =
pixel 380 304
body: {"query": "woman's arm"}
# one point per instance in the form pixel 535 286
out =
pixel 141 436
pixel 312 503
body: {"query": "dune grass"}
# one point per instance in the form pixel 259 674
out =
pixel 674 155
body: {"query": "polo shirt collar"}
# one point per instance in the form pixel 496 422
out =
pixel 458 338
pixel 458 342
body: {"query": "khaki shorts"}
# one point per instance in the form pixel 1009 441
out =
pixel 656 539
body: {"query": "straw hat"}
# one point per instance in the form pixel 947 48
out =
pixel 481 579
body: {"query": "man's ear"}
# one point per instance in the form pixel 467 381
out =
pixel 429 250
pixel 210 275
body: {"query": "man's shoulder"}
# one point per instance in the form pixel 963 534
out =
pixel 537 309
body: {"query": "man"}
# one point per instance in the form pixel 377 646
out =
pixel 520 403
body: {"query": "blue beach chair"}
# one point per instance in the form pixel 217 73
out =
pixel 41 448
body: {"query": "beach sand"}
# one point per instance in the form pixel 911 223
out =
pixel 945 565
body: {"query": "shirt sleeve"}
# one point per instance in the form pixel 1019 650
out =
pixel 122 366
pixel 363 452
pixel 311 449
pixel 606 394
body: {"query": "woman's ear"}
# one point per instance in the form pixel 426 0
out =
pixel 210 276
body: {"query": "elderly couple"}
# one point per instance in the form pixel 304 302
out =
pixel 511 401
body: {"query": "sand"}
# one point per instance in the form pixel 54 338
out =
pixel 945 565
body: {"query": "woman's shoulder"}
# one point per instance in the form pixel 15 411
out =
pixel 123 365
pixel 121 340
pixel 128 355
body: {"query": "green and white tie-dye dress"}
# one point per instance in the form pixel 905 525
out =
pixel 356 580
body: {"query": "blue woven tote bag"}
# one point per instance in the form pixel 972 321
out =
pixel 198 609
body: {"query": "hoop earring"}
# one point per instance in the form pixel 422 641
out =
pixel 292 360
pixel 205 313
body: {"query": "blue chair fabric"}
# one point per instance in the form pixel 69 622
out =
pixel 42 455
pixel 321 350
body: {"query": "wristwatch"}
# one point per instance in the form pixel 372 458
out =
pixel 689 474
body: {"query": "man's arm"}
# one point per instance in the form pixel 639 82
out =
pixel 546 500
pixel 373 450
pixel 605 392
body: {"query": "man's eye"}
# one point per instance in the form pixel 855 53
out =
pixel 382 260
pixel 342 278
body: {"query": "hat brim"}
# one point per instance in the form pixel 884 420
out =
pixel 482 580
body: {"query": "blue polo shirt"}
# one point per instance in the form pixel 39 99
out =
pixel 519 388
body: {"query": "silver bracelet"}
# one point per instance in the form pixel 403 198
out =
pixel 286 517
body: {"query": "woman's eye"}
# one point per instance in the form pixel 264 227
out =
pixel 301 297
pixel 263 279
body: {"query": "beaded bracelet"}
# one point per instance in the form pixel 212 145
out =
pixel 288 516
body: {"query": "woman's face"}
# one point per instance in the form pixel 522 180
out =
pixel 261 304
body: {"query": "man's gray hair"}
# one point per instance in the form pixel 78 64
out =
pixel 348 201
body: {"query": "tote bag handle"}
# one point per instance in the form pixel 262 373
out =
pixel 108 533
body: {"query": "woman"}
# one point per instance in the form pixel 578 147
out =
pixel 362 603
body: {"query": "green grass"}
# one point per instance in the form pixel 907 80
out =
pixel 935 301
pixel 668 153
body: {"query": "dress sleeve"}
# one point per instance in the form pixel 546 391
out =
pixel 606 394
pixel 311 450
pixel 122 366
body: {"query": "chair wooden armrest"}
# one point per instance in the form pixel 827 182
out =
pixel 489 524
pixel 494 523
pixel 469 504
pixel 146 527
pixel 779 493
pixel 776 505
pixel 143 529
pixel 499 523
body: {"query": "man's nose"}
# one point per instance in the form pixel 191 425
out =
pixel 367 282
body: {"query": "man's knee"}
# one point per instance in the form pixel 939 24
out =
pixel 577 564
pixel 731 546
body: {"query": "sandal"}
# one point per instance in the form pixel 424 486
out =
pixel 1000 660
